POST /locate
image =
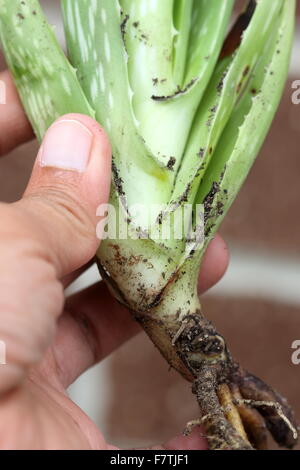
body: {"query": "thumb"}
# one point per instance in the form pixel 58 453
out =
pixel 46 235
pixel 70 179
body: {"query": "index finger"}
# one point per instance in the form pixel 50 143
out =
pixel 15 128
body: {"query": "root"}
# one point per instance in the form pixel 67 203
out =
pixel 191 425
pixel 276 406
pixel 277 414
pixel 221 433
pixel 237 409
pixel 254 423
pixel 183 326
pixel 231 412
pixel 198 422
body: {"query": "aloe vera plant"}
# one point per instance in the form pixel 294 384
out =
pixel 187 107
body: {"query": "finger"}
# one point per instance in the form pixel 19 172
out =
pixel 71 178
pixel 51 232
pixel 14 125
pixel 93 326
pixel 69 278
pixel 195 441
pixel 214 265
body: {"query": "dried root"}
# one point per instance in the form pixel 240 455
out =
pixel 253 422
pixel 237 408
pixel 231 411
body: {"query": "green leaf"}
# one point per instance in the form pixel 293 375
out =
pixel 249 124
pixel 46 82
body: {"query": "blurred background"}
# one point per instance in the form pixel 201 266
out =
pixel 134 398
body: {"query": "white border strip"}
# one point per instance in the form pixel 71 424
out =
pixel 255 274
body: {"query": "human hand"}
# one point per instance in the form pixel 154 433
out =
pixel 46 240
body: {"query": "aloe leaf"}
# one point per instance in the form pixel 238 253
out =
pixel 163 106
pixel 223 93
pixel 103 74
pixel 46 81
pixel 182 14
pixel 245 132
pixel 145 35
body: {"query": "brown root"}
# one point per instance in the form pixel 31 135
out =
pixel 253 422
pixel 278 415
pixel 231 411
pixel 221 433
pixel 236 407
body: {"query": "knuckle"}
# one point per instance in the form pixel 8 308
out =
pixel 87 330
pixel 29 308
pixel 73 213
